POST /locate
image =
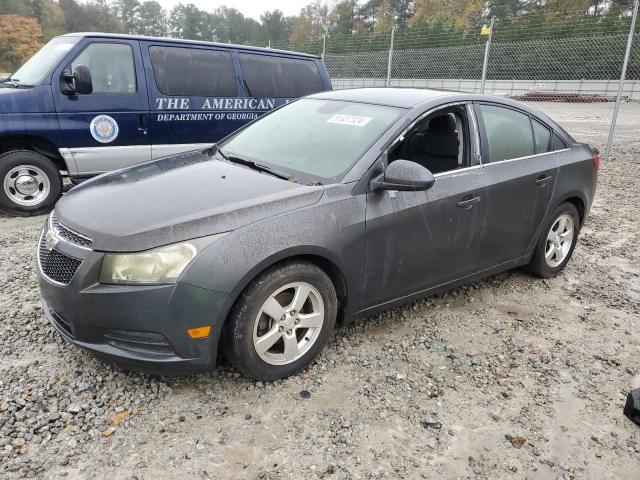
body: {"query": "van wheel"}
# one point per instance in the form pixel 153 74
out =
pixel 31 183
pixel 281 321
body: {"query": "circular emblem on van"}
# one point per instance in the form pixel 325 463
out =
pixel 104 129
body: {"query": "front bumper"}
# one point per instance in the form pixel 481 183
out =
pixel 141 328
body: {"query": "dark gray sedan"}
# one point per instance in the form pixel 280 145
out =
pixel 338 204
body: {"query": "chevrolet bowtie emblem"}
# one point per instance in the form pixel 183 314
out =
pixel 50 240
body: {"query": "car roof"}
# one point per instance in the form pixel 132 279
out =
pixel 389 96
pixel 187 42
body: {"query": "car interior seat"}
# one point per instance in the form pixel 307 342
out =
pixel 440 145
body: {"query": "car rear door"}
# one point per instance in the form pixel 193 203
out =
pixel 520 174
pixel 107 129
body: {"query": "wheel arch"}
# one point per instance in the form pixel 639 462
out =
pixel 579 202
pixel 320 257
pixel 35 143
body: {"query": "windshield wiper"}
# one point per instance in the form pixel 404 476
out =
pixel 14 82
pixel 253 165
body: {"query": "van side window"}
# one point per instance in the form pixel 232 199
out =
pixel 542 137
pixel 279 77
pixel 193 72
pixel 111 66
pixel 508 133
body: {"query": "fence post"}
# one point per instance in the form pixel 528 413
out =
pixel 487 47
pixel 388 82
pixel 324 46
pixel 623 75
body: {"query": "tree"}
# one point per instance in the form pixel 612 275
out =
pixel 276 26
pixel 128 11
pixel 92 16
pixel 153 19
pixel 385 19
pixel 401 11
pixel 313 21
pixel 345 16
pixel 52 20
pixel 19 40
pixel 461 13
pixel 188 21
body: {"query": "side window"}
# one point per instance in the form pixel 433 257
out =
pixel 111 66
pixel 542 137
pixel 558 143
pixel 508 133
pixel 193 72
pixel 439 142
pixel 279 77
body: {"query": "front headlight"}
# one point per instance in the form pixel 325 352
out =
pixel 158 266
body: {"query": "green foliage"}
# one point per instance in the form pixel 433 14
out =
pixel 350 25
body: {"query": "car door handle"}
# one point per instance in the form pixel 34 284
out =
pixel 542 180
pixel 142 122
pixel 468 202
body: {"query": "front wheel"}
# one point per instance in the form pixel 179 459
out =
pixel 281 321
pixel 557 242
pixel 31 183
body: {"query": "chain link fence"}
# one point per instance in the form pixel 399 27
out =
pixel 570 69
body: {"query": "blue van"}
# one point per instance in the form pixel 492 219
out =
pixel 87 103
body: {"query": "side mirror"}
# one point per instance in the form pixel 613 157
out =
pixel 404 175
pixel 78 81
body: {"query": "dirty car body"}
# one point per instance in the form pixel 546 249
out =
pixel 482 212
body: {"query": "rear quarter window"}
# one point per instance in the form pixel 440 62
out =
pixel 542 136
pixel 193 72
pixel 279 77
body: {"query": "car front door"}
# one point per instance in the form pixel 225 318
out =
pixel 419 240
pixel 520 172
pixel 108 128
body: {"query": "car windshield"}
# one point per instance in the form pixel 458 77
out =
pixel 317 138
pixel 37 67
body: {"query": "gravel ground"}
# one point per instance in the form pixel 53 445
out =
pixel 512 377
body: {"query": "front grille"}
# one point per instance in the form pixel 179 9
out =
pixel 68 234
pixel 61 322
pixel 55 265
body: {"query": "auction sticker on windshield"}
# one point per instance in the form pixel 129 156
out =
pixel 353 120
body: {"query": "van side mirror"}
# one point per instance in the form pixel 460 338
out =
pixel 404 175
pixel 77 81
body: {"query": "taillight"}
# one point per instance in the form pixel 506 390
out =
pixel 596 158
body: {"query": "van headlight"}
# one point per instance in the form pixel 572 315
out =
pixel 162 265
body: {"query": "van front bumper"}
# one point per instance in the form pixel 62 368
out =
pixel 139 328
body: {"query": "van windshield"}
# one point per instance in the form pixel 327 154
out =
pixel 317 138
pixel 37 67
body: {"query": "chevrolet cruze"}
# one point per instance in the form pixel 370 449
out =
pixel 336 205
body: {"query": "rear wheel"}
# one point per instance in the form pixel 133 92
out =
pixel 31 183
pixel 557 242
pixel 281 321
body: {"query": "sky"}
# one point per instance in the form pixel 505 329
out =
pixel 249 8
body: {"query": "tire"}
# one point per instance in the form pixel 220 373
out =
pixel 549 256
pixel 249 328
pixel 41 183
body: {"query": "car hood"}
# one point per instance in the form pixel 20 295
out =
pixel 174 199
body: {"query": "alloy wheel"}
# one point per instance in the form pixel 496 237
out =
pixel 288 323
pixel 559 240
